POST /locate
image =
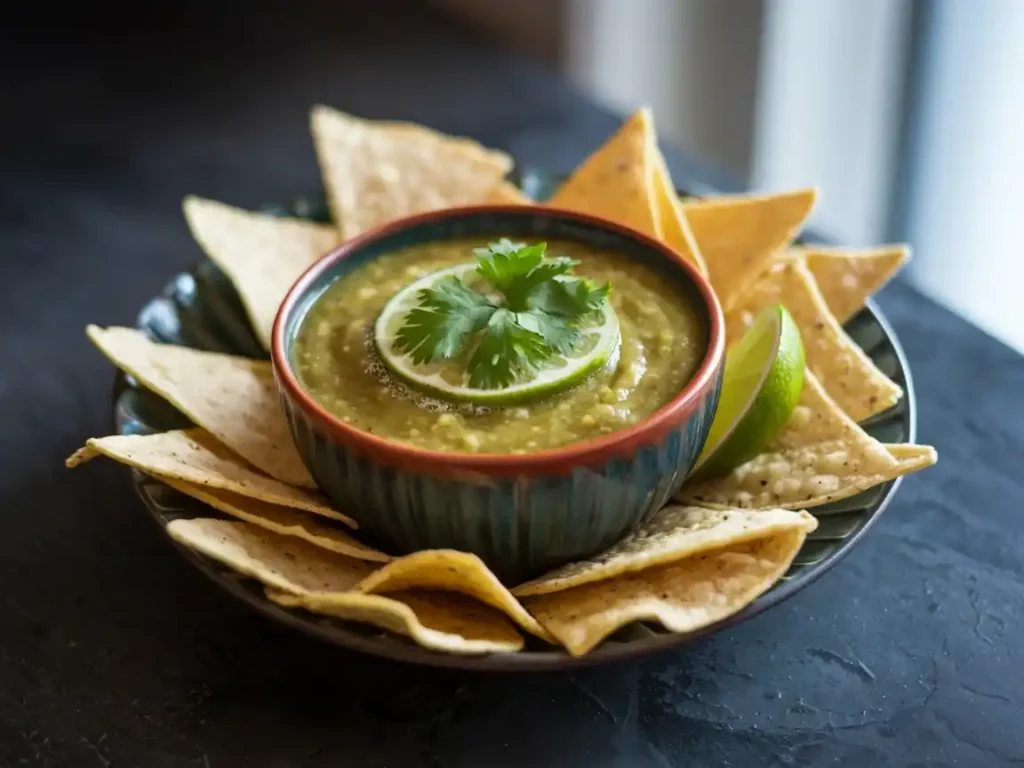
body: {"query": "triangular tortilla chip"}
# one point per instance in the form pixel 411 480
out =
pixel 674 533
pixel 507 193
pixel 193 456
pixel 912 457
pixel 261 255
pixel 847 277
pixel 401 130
pixel 233 398
pixel 617 181
pixel 675 229
pixel 685 596
pixel 281 520
pixel 821 456
pixel 281 562
pixel 291 567
pixel 439 621
pixel 817 418
pixel 450 571
pixel 372 176
pixel 843 369
pixel 806 477
pixel 738 235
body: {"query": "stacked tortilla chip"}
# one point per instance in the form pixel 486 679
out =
pixel 724 543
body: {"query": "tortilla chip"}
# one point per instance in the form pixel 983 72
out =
pixel 372 176
pixel 809 476
pixel 737 236
pixel 617 181
pixel 289 565
pixel 675 229
pixel 821 456
pixel 281 520
pixel 817 419
pixel 193 456
pixel 845 371
pixel 402 130
pixel 451 571
pixel 847 277
pixel 233 398
pixel 439 621
pixel 281 562
pixel 507 193
pixel 674 533
pixel 684 596
pixel 912 456
pixel 261 255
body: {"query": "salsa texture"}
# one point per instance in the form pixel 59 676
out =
pixel 662 344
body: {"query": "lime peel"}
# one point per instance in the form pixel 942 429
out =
pixel 761 386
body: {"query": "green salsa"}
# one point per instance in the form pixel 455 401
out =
pixel 662 343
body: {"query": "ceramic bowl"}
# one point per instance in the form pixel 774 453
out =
pixel 522 514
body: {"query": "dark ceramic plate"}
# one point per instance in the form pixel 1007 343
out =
pixel 201 309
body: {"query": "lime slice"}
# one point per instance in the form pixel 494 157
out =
pixel 448 380
pixel 764 374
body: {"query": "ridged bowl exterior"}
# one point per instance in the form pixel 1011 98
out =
pixel 521 527
pixel 520 523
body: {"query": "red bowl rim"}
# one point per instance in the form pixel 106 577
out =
pixel 623 442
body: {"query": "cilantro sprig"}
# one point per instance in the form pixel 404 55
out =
pixel 533 313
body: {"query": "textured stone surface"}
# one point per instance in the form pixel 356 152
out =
pixel 116 652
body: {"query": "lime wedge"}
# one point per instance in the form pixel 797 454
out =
pixel 764 374
pixel 448 380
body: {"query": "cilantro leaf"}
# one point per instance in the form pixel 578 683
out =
pixel 441 326
pixel 506 351
pixel 537 316
pixel 450 293
pixel 572 299
pixel 516 269
pixel 558 333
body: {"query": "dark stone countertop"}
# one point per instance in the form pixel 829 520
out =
pixel 115 652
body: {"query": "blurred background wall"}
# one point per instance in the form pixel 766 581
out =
pixel 904 113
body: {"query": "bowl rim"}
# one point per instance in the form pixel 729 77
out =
pixel 623 442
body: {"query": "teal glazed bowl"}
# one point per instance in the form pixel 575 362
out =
pixel 522 514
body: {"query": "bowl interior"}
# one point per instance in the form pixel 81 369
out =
pixel 490 223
